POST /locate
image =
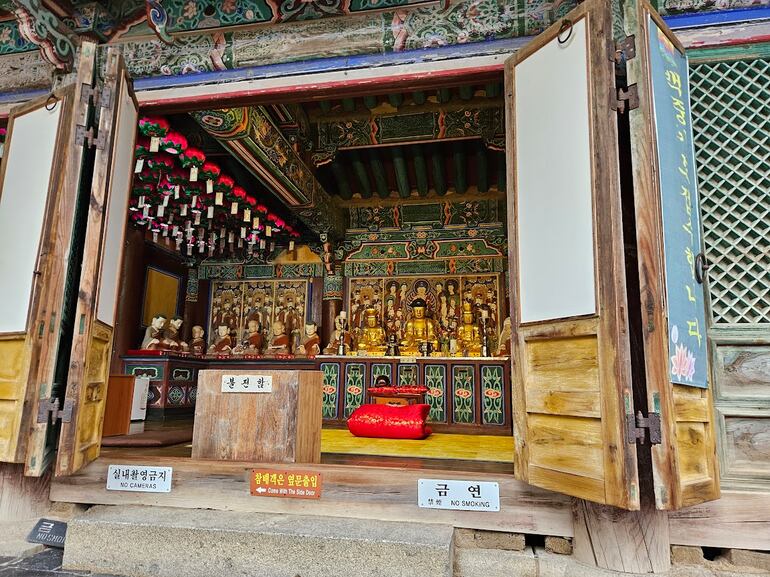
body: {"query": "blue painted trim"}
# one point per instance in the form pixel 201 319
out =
pixel 332 64
pixel 696 20
pixel 10 97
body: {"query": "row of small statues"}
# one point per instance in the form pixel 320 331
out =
pixel 165 335
pixel 421 336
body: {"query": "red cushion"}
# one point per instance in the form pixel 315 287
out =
pixel 390 422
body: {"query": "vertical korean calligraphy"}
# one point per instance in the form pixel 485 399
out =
pixel 679 202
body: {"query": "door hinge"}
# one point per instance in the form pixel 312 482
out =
pixel 87 137
pixel 100 95
pixel 624 99
pixel 636 425
pixel 48 407
pixel 623 50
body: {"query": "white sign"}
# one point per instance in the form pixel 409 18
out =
pixel 247 383
pixel 139 478
pixel 458 495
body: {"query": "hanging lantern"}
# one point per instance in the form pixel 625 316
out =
pixel 173 143
pixel 193 160
pixel 160 164
pixel 154 127
pixel 210 171
pixel 224 184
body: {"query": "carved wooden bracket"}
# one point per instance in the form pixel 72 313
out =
pixel 40 26
pixel 157 18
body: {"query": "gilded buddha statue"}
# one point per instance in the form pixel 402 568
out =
pixel 468 334
pixel 372 341
pixel 418 330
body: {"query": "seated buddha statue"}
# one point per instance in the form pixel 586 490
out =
pixel 419 329
pixel 468 334
pixel 372 340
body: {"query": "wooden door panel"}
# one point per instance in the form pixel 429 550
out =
pixel 88 373
pixel 685 467
pixel 34 198
pixel 571 351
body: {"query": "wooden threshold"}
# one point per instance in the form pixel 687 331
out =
pixel 381 493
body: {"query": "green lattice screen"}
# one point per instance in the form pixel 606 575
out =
pixel 731 120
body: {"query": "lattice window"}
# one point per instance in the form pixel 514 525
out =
pixel 731 120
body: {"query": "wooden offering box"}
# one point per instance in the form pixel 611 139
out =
pixel 240 424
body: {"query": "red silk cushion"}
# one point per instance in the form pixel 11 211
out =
pixel 390 422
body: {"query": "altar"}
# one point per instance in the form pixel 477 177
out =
pixel 466 395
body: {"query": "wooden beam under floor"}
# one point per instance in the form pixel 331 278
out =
pixel 381 493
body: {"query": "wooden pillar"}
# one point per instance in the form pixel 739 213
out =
pixel 619 540
pixel 22 498
pixel 195 304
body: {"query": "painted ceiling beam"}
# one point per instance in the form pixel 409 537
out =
pixel 419 97
pixel 371 102
pixel 439 180
pixel 420 171
pixel 396 99
pixel 348 104
pixel 253 138
pixel 364 187
pixel 482 166
pixel 458 160
pixel 402 174
pixel 341 178
pixel 466 92
pixel 411 124
pixel 38 25
pixel 378 170
pixel 492 89
pixel 444 95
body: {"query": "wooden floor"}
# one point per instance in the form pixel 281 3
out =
pixel 438 446
pixel 339 446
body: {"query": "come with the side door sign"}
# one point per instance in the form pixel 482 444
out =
pixel 458 495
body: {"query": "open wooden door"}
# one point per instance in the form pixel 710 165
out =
pixel 88 368
pixel 43 170
pixel 571 353
pixel 671 265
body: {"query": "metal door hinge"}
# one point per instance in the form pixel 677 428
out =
pixel 624 99
pixel 100 95
pixel 87 137
pixel 623 50
pixel 636 425
pixel 48 407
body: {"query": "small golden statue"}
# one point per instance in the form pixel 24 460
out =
pixel 418 331
pixel 468 334
pixel 372 341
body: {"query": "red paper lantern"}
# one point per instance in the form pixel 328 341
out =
pixel 173 143
pixel 239 192
pixel 224 184
pixel 192 157
pixel 209 171
pixel 154 126
pixel 142 148
pixel 177 177
pixel 161 163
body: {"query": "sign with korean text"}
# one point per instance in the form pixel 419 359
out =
pixel 458 495
pixel 288 484
pixel 679 203
pixel 139 478
pixel 247 383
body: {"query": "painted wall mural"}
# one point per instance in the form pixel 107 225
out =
pixel 234 304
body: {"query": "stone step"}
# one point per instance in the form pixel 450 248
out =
pixel 168 542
